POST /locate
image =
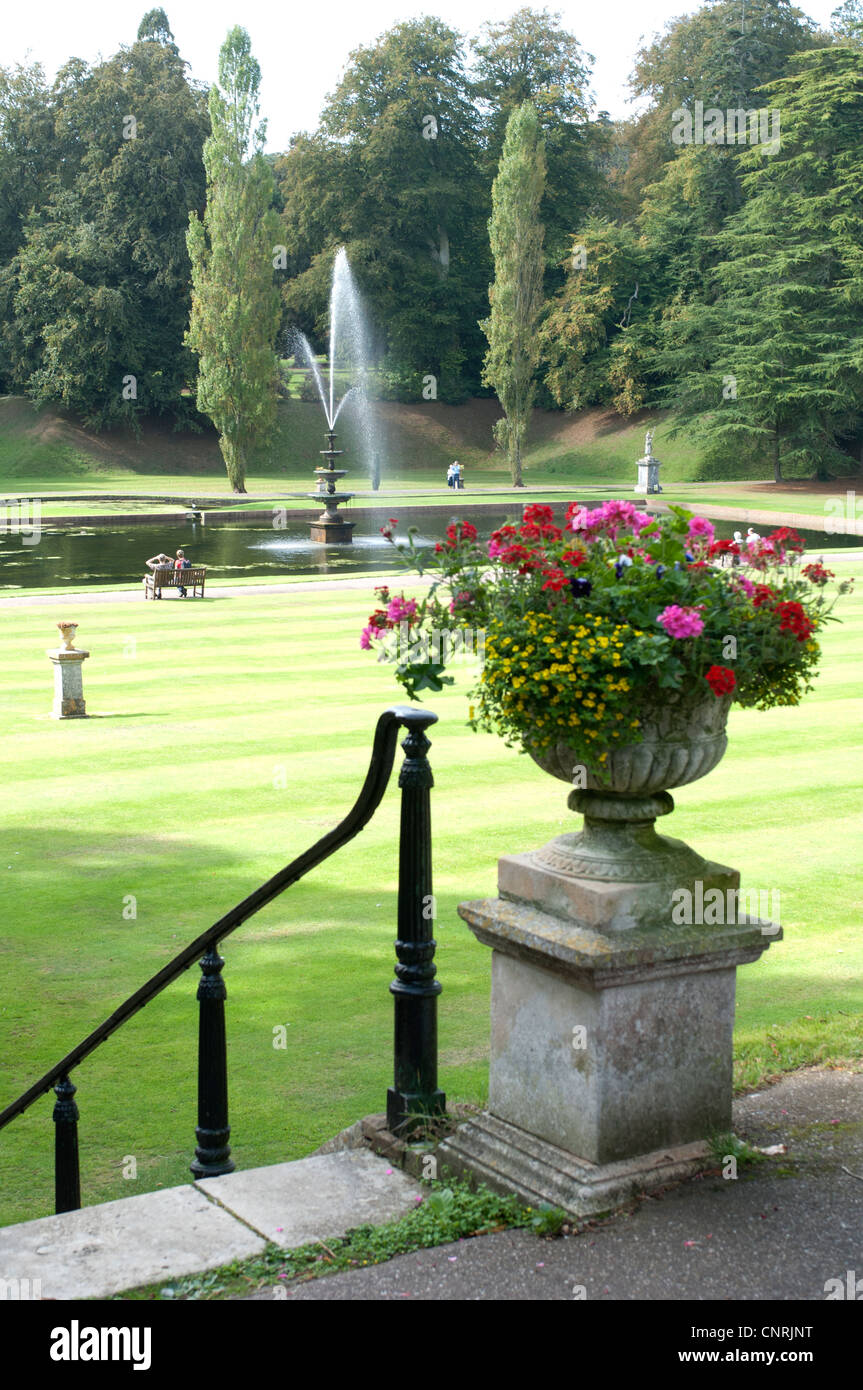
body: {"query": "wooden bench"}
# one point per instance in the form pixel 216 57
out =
pixel 164 578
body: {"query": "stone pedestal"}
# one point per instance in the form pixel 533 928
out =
pixel 648 475
pixel 611 1050
pixel 68 682
pixel 330 528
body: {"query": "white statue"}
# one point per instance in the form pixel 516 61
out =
pixel 648 445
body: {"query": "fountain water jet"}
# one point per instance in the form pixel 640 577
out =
pixel 346 334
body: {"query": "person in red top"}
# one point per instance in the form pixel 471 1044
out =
pixel 181 563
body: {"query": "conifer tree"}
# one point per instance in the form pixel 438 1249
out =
pixel 516 236
pixel 235 301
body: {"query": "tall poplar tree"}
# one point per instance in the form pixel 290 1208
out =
pixel 516 235
pixel 235 301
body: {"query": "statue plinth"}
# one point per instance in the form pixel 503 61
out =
pixel 648 475
pixel 68 682
pixel 611 1050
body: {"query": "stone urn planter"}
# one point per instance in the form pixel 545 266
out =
pixel 67 661
pixel 67 632
pixel 617 872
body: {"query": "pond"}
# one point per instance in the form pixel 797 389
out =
pixel 116 555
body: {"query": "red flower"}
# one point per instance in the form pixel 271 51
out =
pixel 721 680
pixel 541 515
pixel 573 557
pixel 763 594
pixel 531 531
pixel 571 511
pixel 460 531
pixel 786 538
pixel 724 548
pixel 817 574
pixel 555 579
pixel 794 618
pixel 520 555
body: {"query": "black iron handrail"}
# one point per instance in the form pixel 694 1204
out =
pixel 414 941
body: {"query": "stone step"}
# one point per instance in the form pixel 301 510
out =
pixel 158 1236
pixel 509 1159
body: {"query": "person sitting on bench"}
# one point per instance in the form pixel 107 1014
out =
pixel 156 563
pixel 181 563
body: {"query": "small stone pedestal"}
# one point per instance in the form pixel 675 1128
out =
pixel 648 475
pixel 611 1053
pixel 68 683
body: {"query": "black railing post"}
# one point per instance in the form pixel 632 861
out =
pixel 67 1179
pixel 415 1091
pixel 213 1154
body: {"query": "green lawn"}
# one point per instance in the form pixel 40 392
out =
pixel 227 735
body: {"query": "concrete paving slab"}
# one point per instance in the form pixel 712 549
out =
pixel 316 1198
pixel 101 1250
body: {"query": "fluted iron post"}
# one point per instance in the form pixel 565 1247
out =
pixel 415 1091
pixel 213 1154
pixel 67 1178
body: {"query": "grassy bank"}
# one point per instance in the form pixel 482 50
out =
pixel 229 735
pixel 44 451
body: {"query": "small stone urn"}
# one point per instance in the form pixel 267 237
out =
pixel 67 661
pixel 67 632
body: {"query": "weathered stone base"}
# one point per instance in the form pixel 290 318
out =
pixel 508 1159
pixel 68 683
pixel 648 476
pixel 332 532
pixel 71 708
pixel 609 1046
pixel 557 880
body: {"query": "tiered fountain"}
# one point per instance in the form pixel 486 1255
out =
pixel 331 527
pixel 348 342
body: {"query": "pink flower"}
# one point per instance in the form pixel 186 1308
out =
pixel 463 599
pixel 366 638
pixel 681 622
pixel 608 519
pixel 400 610
pixel 701 529
pixel 741 582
